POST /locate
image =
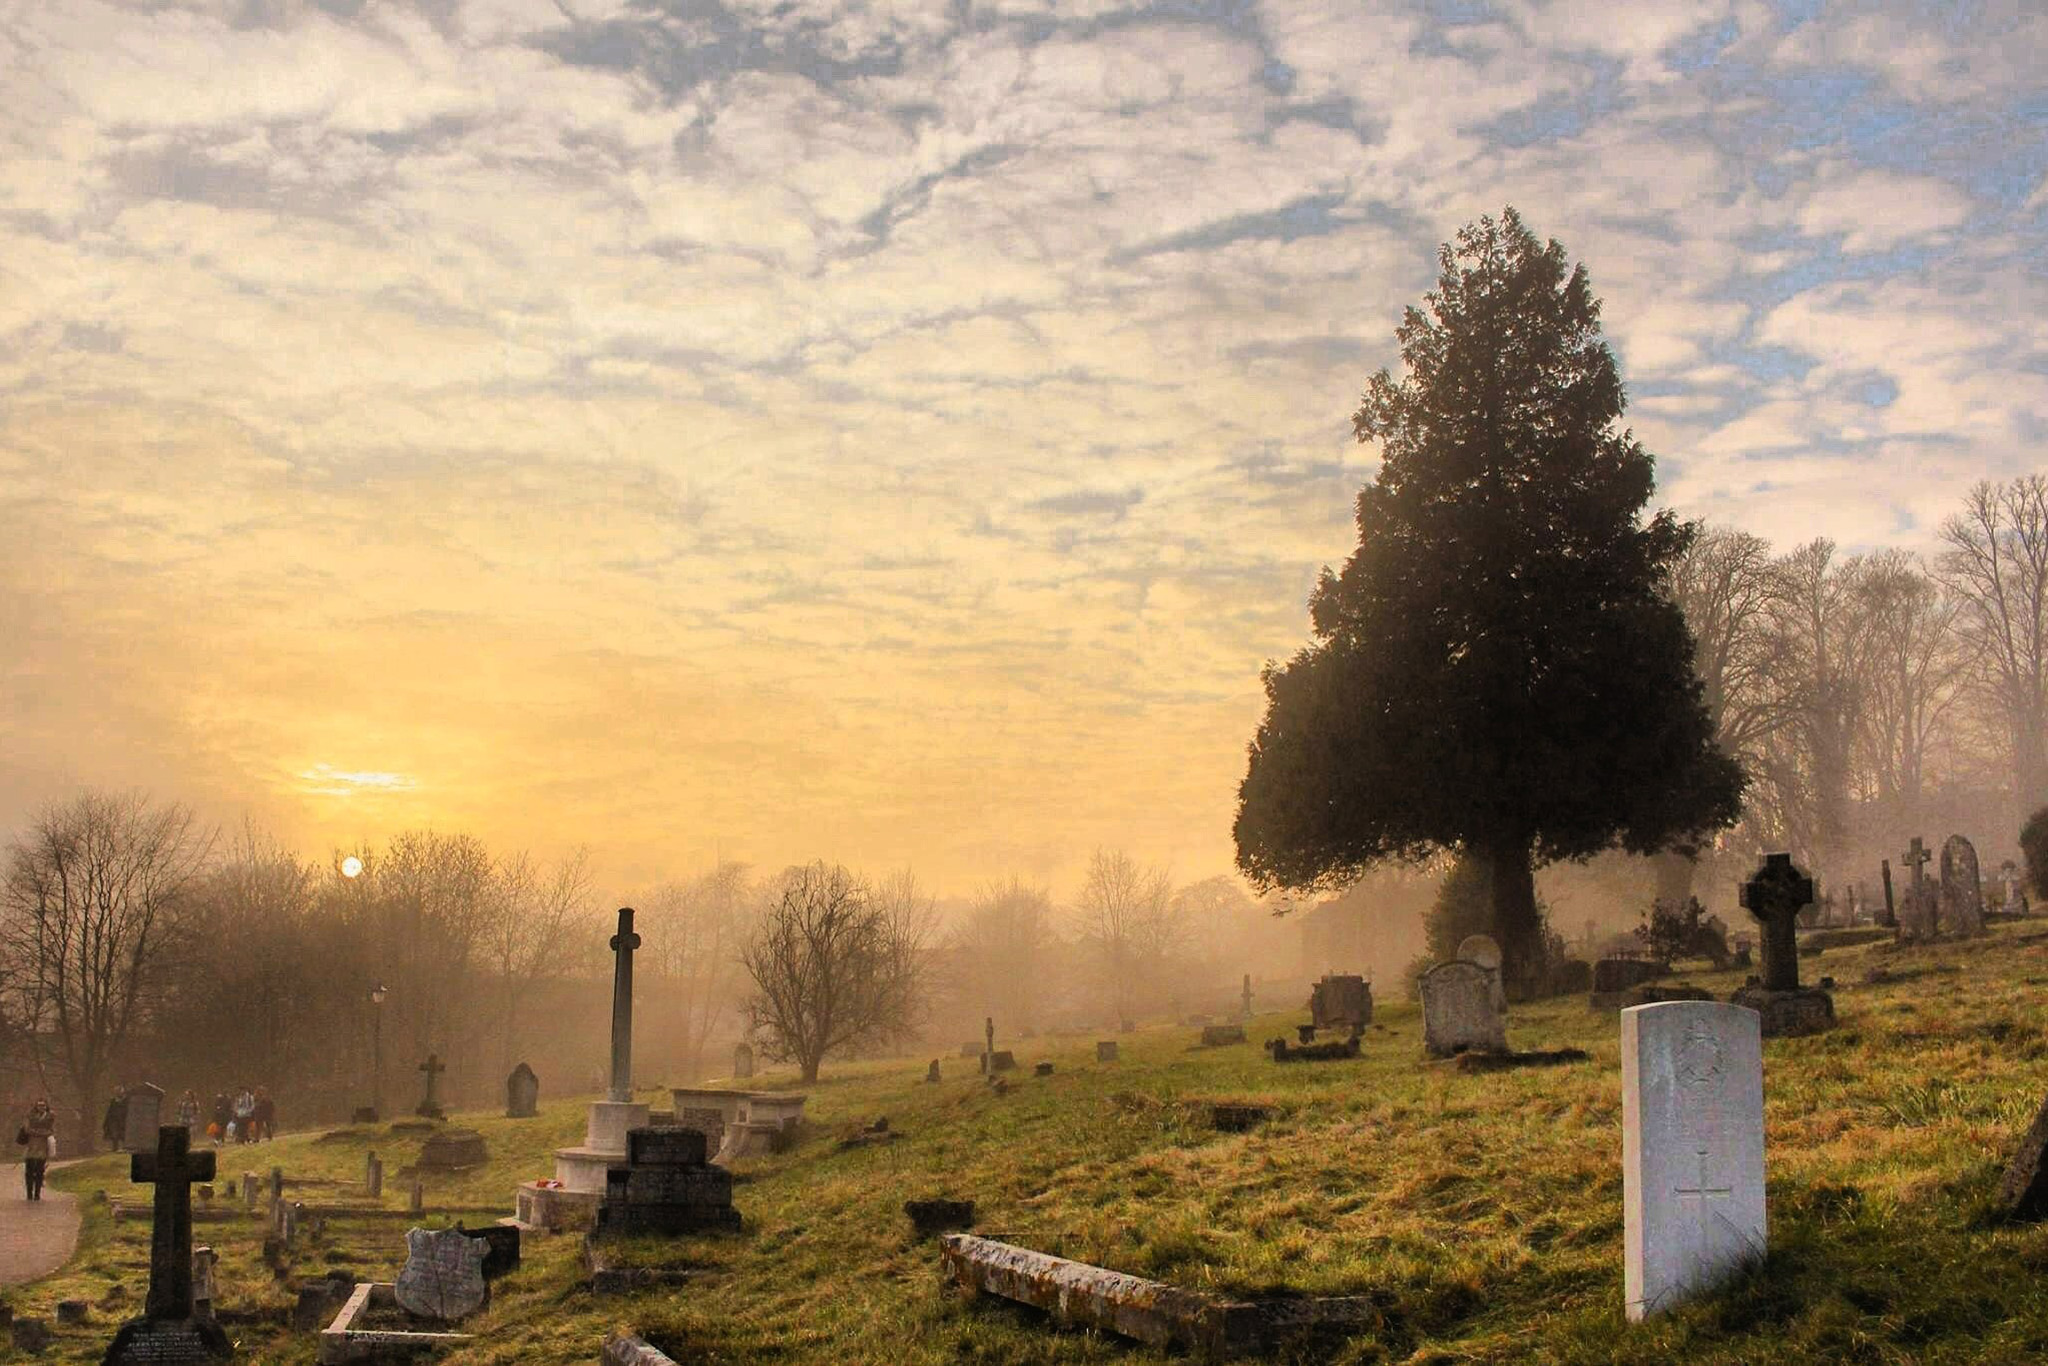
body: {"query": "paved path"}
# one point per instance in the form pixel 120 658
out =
pixel 35 1238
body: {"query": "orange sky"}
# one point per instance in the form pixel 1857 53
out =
pixel 844 431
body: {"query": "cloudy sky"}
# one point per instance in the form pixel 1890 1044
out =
pixel 894 432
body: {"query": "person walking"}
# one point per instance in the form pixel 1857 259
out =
pixel 265 1114
pixel 223 1115
pixel 114 1127
pixel 39 1134
pixel 188 1109
pixel 245 1115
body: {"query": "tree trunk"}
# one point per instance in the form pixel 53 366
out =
pixel 1514 918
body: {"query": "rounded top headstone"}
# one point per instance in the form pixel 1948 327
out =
pixel 1480 949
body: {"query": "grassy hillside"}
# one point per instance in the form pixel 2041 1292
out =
pixel 1482 1212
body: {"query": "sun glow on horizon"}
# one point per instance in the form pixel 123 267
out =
pixel 325 780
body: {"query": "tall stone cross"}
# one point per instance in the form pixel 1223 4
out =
pixel 1917 854
pixel 1891 909
pixel 1775 895
pixel 1247 996
pixel 988 1030
pixel 433 1067
pixel 623 944
pixel 172 1168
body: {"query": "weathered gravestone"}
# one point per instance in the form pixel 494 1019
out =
pixel 1459 1012
pixel 1340 1000
pixel 169 1331
pixel 1774 894
pixel 204 1260
pixel 742 1060
pixel 1105 1050
pixel 1247 996
pixel 1004 1061
pixel 145 1108
pixel 1692 1146
pixel 1481 949
pixel 522 1093
pixel 430 1102
pixel 443 1277
pixel 373 1176
pixel 453 1150
pixel 1918 918
pixel 1962 889
pixel 1216 1036
pixel 931 1073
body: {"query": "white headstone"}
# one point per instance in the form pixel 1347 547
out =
pixel 145 1109
pixel 1692 1149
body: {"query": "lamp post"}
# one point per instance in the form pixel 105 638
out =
pixel 377 994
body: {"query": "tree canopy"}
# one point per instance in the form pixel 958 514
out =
pixel 1499 667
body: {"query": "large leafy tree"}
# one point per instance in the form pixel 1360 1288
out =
pixel 1499 669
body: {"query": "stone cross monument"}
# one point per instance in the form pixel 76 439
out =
pixel 988 1027
pixel 1916 856
pixel 1247 994
pixel 623 944
pixel 168 1331
pixel 1775 894
pixel 433 1067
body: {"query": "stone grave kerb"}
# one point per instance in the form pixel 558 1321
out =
pixel 1775 894
pixel 622 945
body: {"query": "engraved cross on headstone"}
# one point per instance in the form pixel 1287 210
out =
pixel 1775 895
pixel 623 943
pixel 433 1067
pixel 172 1168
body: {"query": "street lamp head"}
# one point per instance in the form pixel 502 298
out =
pixel 377 994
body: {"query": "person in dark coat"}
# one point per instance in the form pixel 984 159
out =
pixel 39 1133
pixel 114 1128
pixel 223 1115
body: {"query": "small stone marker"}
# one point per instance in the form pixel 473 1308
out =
pixel 1105 1050
pixel 742 1060
pixel 145 1108
pixel 277 1183
pixel 1775 894
pixel 1460 1012
pixel 419 1197
pixel 168 1331
pixel 1692 1142
pixel 203 1263
pixel 1247 1011
pixel 1891 906
pixel 1004 1061
pixel 1043 1069
pixel 443 1277
pixel 931 1073
pixel 939 1215
pixel 430 1103
pixel 988 1047
pixel 373 1176
pixel 522 1093
pixel 1962 888
pixel 73 1312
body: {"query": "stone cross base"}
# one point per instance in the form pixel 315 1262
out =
pixel 1808 1010
pixel 169 1342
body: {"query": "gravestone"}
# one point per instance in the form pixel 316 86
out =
pixel 430 1102
pixel 742 1060
pixel 1774 894
pixel 988 1047
pixel 1917 919
pixel 1216 1036
pixel 1459 1012
pixel 1481 949
pixel 1962 889
pixel 418 1202
pixel 1247 996
pixel 204 1260
pixel 373 1176
pixel 1692 1141
pixel 666 1188
pixel 1043 1069
pixel 1339 1000
pixel 2023 1189
pixel 169 1331
pixel 1105 1050
pixel 145 1110
pixel 522 1093
pixel 931 1073
pixel 443 1277
pixel 1001 1062
pixel 1891 904
pixel 453 1150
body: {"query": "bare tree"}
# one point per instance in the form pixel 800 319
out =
pixel 89 912
pixel 527 909
pixel 1123 916
pixel 1912 670
pixel 1996 565
pixel 696 930
pixel 1001 947
pixel 833 968
pixel 1820 640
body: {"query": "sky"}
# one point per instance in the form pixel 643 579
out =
pixel 895 433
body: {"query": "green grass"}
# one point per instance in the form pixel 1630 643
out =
pixel 1482 1213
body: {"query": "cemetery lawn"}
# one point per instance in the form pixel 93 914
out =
pixel 1480 1212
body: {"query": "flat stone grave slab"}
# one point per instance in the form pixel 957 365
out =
pixel 453 1150
pixel 371 1327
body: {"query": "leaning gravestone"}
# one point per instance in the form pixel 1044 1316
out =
pixel 169 1332
pixel 522 1093
pixel 145 1107
pixel 444 1274
pixel 1962 889
pixel 1459 1013
pixel 1692 1149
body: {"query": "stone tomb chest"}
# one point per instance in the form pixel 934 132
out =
pixel 666 1187
pixel 1340 1002
pixel 453 1150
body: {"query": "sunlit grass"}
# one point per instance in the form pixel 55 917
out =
pixel 1482 1214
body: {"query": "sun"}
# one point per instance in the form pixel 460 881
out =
pixel 351 866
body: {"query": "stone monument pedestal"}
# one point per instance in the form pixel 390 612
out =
pixel 1803 1010
pixel 582 1168
pixel 171 1342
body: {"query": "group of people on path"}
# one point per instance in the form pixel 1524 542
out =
pixel 250 1115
